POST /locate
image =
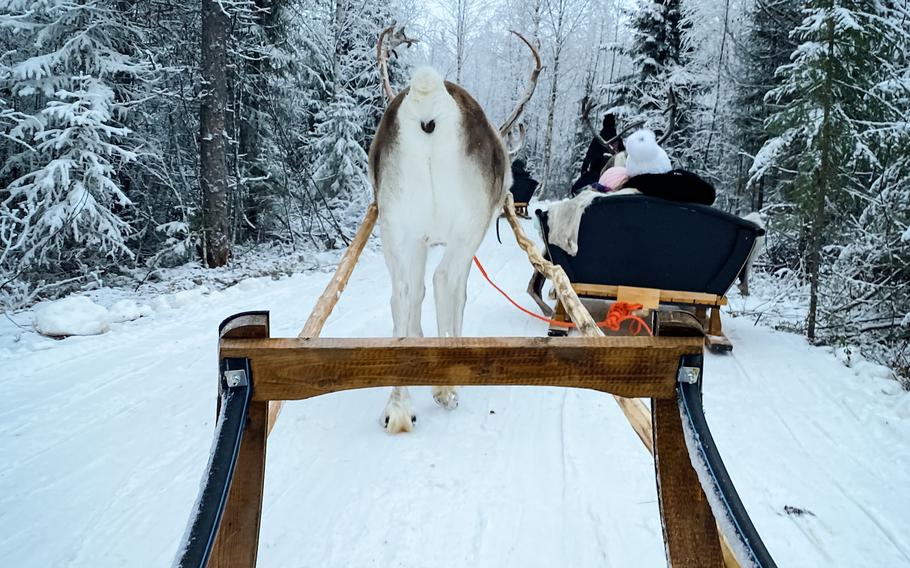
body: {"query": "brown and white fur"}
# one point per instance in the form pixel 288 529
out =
pixel 440 172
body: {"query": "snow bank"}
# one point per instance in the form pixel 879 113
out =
pixel 187 298
pixel 127 310
pixel 75 315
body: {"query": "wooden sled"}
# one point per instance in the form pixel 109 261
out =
pixel 257 372
pixel 636 247
pixel 521 208
pixel 521 195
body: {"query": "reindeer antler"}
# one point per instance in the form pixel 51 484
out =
pixel 514 150
pixel 384 52
pixel 586 106
pixel 529 90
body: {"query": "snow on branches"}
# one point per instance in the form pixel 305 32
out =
pixel 70 80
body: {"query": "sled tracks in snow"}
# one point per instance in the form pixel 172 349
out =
pixel 696 495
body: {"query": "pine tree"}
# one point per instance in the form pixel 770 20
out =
pixel 766 47
pixel 819 126
pixel 660 54
pixel 69 80
pixel 868 292
pixel 350 101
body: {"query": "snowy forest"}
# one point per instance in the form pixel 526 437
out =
pixel 137 136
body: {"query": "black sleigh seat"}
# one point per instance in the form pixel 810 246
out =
pixel 692 253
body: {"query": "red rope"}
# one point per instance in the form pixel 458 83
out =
pixel 619 311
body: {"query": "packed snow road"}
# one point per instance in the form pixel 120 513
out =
pixel 103 441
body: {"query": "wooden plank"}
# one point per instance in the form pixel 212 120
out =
pixel 715 339
pixel 247 324
pixel 237 542
pixel 666 296
pixel 649 298
pixel 240 326
pixel 639 418
pixel 714 326
pixel 689 529
pixel 333 290
pixel 293 369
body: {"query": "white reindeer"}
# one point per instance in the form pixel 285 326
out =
pixel 440 171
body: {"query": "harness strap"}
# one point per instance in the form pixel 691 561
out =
pixel 618 313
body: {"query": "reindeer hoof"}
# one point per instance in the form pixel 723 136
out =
pixel 446 397
pixel 396 419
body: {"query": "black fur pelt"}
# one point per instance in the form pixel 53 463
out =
pixel 675 185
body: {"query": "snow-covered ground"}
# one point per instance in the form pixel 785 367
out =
pixel 103 440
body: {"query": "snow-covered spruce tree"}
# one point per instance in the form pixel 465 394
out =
pixel 819 127
pixel 259 60
pixel 766 46
pixel 867 295
pixel 69 77
pixel 351 100
pixel 660 54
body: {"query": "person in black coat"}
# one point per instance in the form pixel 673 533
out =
pixel 523 186
pixel 596 157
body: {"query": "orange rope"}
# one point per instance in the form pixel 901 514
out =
pixel 619 311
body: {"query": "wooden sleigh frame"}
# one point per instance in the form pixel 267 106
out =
pixel 629 248
pixel 257 372
pixel 706 306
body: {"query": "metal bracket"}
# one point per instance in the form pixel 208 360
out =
pixel 688 375
pixel 236 378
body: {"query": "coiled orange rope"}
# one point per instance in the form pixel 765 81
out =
pixel 618 313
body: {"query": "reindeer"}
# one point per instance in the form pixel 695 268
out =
pixel 440 172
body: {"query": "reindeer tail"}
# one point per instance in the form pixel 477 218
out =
pixel 425 81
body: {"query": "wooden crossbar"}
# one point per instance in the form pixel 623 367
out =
pixel 666 296
pixel 294 369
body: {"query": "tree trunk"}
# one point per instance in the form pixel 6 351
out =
pixel 461 9
pixel 253 107
pixel 820 193
pixel 213 137
pixel 551 112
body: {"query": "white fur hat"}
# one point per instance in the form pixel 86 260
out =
pixel 645 156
